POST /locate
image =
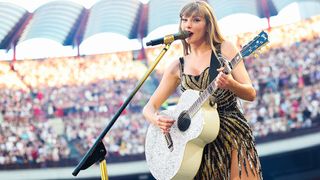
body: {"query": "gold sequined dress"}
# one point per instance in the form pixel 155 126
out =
pixel 234 134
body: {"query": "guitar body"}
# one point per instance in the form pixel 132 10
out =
pixel 183 160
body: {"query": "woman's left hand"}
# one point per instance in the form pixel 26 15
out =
pixel 224 81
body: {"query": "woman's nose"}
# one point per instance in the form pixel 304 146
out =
pixel 188 25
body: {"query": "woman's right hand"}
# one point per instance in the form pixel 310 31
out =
pixel 164 122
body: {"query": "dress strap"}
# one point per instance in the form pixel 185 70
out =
pixel 218 52
pixel 181 65
pixel 214 64
pixel 218 48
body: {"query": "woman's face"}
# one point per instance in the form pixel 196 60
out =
pixel 196 25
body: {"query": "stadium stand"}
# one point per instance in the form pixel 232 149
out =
pixel 52 109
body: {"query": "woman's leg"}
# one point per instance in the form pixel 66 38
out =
pixel 235 168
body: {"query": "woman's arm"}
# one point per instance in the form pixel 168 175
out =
pixel 238 81
pixel 167 86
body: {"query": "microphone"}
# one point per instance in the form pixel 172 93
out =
pixel 169 38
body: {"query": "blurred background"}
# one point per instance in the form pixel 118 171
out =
pixel 67 66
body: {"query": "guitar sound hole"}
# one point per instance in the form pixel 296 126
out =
pixel 184 121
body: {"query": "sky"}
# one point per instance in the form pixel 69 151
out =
pixel 38 48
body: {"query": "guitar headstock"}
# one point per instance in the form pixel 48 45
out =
pixel 256 44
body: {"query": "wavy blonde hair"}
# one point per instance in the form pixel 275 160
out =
pixel 202 8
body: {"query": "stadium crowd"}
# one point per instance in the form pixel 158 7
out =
pixel 53 109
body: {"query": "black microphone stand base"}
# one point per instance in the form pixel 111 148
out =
pixel 98 155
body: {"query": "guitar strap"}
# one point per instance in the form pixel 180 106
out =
pixel 214 65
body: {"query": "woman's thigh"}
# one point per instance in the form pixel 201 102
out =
pixel 235 168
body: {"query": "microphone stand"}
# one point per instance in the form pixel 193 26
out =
pixel 98 151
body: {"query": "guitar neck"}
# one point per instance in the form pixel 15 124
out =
pixel 212 89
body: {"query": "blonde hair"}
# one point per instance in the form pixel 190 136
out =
pixel 202 8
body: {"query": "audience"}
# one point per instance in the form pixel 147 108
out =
pixel 53 109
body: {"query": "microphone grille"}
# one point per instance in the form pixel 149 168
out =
pixel 185 34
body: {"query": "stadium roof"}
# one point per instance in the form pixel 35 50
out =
pixel 69 23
